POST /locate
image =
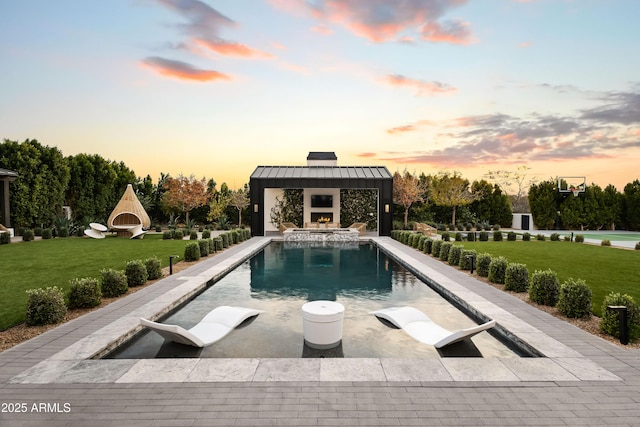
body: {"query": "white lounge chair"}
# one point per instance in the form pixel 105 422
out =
pixel 212 328
pixel 420 327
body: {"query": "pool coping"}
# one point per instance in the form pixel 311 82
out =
pixel 74 362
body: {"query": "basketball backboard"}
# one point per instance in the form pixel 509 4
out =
pixel 572 184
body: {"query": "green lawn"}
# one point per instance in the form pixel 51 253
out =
pixel 604 269
pixel 44 263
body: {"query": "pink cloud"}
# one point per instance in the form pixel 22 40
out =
pixel 384 20
pixel 423 88
pixel 229 48
pixel 182 70
pixel 454 32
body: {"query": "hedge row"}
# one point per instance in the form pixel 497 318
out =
pixel 573 298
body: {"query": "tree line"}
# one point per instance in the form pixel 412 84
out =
pixel 449 199
pixel 92 185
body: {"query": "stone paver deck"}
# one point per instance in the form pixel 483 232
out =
pixel 583 380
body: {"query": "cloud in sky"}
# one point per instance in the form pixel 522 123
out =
pixel 498 138
pixel 423 88
pixel 182 70
pixel 385 20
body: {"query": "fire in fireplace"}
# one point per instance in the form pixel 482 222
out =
pixel 322 217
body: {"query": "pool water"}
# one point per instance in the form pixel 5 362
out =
pixel 284 276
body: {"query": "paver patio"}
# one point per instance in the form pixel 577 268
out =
pixel 584 380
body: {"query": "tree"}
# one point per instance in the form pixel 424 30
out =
pixel 451 190
pixel 514 184
pixel 185 194
pixel 408 189
pixel 543 200
pixel 239 199
pixel 37 195
pixel 631 205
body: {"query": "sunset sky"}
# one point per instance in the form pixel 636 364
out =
pixel 216 87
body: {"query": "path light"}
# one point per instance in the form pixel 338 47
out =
pixel 171 257
pixel 622 317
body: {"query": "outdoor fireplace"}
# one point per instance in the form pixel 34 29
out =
pixel 322 217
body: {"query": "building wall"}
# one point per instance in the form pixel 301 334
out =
pixel 335 210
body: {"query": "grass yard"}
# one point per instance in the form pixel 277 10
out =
pixel 604 269
pixel 44 263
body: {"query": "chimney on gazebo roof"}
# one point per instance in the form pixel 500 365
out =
pixel 322 158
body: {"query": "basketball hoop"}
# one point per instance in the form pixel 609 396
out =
pixel 575 192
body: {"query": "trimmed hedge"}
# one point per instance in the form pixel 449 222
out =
pixel 136 273
pixel 465 264
pixel 84 293
pixel 192 252
pixel 483 261
pixel 45 306
pixel 454 255
pixel 435 249
pixel 497 236
pixel 526 237
pixel 497 270
pixel 427 245
pixel 511 236
pixel 203 244
pixel 574 299
pixel 544 288
pixel 47 233
pixel 444 250
pixel 483 236
pixel 610 322
pixel 114 283
pixel 579 238
pixel 154 271
pixel 28 235
pixel 516 277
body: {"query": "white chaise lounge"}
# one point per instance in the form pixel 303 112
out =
pixel 212 328
pixel 420 327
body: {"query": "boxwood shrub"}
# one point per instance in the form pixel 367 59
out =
pixel 610 322
pixel 465 263
pixel 427 246
pixel 84 292
pixel 217 243
pixel 45 306
pixel 497 269
pixel 5 238
pixel 226 243
pixel 445 236
pixel 544 287
pixel 516 277
pixel 526 237
pixel 47 234
pixel 497 236
pixel 541 237
pixel 435 249
pixel 178 235
pixel 555 237
pixel 483 261
pixel 193 235
pixel 483 236
pixel 192 252
pixel 511 236
pixel 605 242
pixel 204 247
pixel 114 283
pixel 27 235
pixel 454 255
pixel 206 234
pixel 154 271
pixel 574 299
pixel 471 236
pixel 579 238
pixel 444 251
pixel 136 273
pixel 167 235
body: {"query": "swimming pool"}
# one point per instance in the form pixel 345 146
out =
pixel 284 276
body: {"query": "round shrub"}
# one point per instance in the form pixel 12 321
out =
pixel 497 269
pixel 226 243
pixel 158 228
pixel 638 246
pixel 154 271
pixel 136 273
pixel 167 235
pixel 511 236
pixel 178 235
pixel 114 283
pixel 206 234
pixel 497 236
pixel 526 237
pixel 193 235
pixel 605 242
pixel 217 243
pixel 516 277
pixel 435 248
pixel 212 245
pixel 45 306
pixel 203 244
pixel 471 236
pixel 421 241
pixel 5 238
pixel 27 235
pixel 496 227
pixel 47 234
pixel 458 237
pixel 544 287
pixel 610 322
pixel 465 262
pixel 444 251
pixel 541 237
pixel 483 236
pixel 454 255
pixel 427 246
pixel 555 237
pixel 579 238
pixel 445 236
pixel 483 261
pixel 567 238
pixel 84 293
pixel 574 299
pixel 192 252
pixel 37 232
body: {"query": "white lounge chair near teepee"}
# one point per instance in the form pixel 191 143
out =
pixel 212 328
pixel 420 327
pixel 129 217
